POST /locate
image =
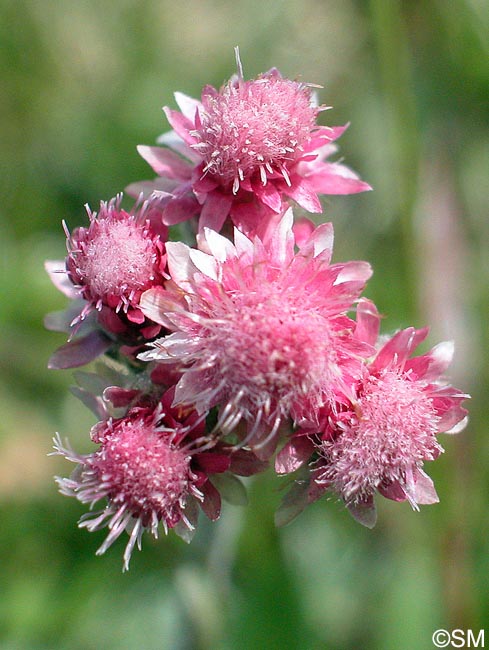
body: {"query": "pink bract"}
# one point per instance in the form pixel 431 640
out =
pixel 244 150
pixel 258 330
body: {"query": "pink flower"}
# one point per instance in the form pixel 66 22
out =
pixel 379 440
pixel 118 257
pixel 246 148
pixel 258 330
pixel 109 265
pixel 152 467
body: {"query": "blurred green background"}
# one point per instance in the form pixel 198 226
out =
pixel 82 83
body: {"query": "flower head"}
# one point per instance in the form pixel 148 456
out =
pixel 151 469
pixel 380 440
pixel 254 128
pixel 258 330
pixel 247 146
pixel 117 257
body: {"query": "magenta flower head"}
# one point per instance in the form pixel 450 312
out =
pixel 379 440
pixel 108 266
pixel 115 259
pixel 259 331
pixel 152 467
pixel 248 147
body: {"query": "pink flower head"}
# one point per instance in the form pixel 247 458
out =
pixel 381 439
pixel 118 257
pixel 152 467
pixel 258 330
pixel 248 145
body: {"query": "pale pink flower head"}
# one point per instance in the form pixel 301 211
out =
pixel 380 441
pixel 118 257
pixel 250 146
pixel 259 330
pixel 152 467
pixel 256 128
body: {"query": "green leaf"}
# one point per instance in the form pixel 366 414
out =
pixel 231 488
pixel 293 503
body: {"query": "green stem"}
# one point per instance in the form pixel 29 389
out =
pixel 395 73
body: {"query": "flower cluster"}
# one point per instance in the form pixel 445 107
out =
pixel 247 348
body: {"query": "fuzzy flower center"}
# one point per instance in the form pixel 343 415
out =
pixel 140 468
pixel 117 258
pixel 251 126
pixel 267 345
pixel 395 432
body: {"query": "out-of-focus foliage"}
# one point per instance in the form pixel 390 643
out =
pixel 82 85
